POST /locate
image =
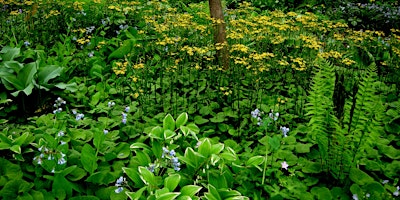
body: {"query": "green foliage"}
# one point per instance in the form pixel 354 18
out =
pixel 149 114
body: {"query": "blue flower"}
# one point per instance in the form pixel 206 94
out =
pixel 355 197
pixel 90 54
pixel 151 167
pixel 127 108
pixel 61 161
pixel 284 131
pixel 175 163
pixel 26 43
pixel 119 190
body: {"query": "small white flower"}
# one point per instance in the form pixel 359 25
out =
pixel 284 165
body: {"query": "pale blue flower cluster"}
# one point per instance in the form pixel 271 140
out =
pixel 119 183
pixel 26 43
pixel 78 116
pixel 124 115
pixel 284 130
pixel 257 115
pixel 171 155
pixel 57 105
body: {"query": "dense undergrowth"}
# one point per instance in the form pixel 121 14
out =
pixel 125 99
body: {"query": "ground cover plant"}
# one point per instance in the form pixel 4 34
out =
pixel 127 100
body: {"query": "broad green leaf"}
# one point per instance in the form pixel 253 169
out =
pixel 133 174
pixel 26 74
pixel 125 49
pixel 102 177
pixel 89 158
pixel 9 53
pixel 390 152
pixel 322 193
pixel 139 145
pixel 122 150
pixel 168 196
pixel 142 158
pixel 190 190
pixel 21 139
pixel 85 198
pixel 168 134
pixel 214 193
pixel 72 87
pixel 359 177
pixel 255 160
pixel 12 82
pixel 205 147
pixel 77 174
pixel 274 142
pixel 16 149
pixel 62 188
pixel 181 120
pixel 95 99
pixel 217 148
pixel 47 73
pixel 157 133
pixel 13 65
pixel 172 181
pixel 147 176
pixel 169 123
pixel 200 120
pixel 303 148
pixel 136 195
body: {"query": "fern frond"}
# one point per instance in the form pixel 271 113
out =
pixel 320 107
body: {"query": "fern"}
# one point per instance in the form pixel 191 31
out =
pixel 341 141
pixel 363 121
pixel 320 107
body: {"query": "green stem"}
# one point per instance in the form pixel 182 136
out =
pixel 265 165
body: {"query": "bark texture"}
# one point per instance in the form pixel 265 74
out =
pixel 219 32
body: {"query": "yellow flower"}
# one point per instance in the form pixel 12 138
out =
pixel 348 62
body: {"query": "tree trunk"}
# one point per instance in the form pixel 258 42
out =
pixel 219 32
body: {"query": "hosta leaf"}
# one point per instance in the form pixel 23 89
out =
pixel 89 158
pixel 172 181
pixel 181 120
pixel 169 123
pixel 359 177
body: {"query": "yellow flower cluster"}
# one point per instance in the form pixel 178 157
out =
pixel 168 40
pixel 258 57
pixel 239 48
pixel 330 54
pixel 120 68
pixel 138 66
pixel 225 90
pixel 198 50
pixel 84 40
pixel 348 61
pixel 311 42
pixel 52 13
pixel 299 64
pixel 78 5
